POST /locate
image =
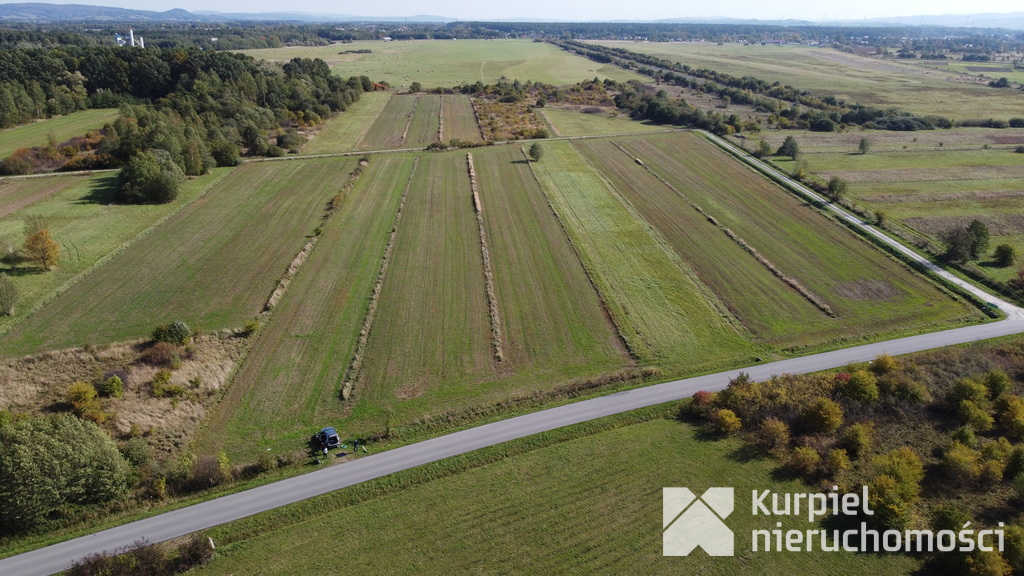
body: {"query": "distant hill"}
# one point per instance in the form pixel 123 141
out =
pixel 38 12
pixel 314 17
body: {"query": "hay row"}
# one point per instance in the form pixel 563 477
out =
pixel 586 270
pixel 476 116
pixel 300 258
pixel 354 369
pixel 408 122
pixel 492 298
pixel 440 120
pixel 788 280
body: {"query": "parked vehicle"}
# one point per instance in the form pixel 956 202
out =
pixel 327 438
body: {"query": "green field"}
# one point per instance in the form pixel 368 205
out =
pixel 288 384
pixel 868 292
pixel 61 128
pixel 574 123
pixel 988 70
pixel 459 120
pixel 551 315
pixel 431 334
pixel 925 191
pixel 856 79
pixel 423 129
pixel 17 193
pixel 389 129
pixel 448 63
pixel 83 218
pixel 584 504
pixel 343 132
pixel 214 263
pixel 666 314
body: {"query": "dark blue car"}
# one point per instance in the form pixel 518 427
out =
pixel 328 438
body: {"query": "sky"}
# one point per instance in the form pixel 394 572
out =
pixel 590 10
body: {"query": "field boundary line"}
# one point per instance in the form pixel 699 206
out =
pixel 972 293
pixel 492 297
pixel 354 369
pixel 71 282
pixel 586 269
pixel 440 120
pixel 788 280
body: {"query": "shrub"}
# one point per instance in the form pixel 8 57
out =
pixel 856 439
pixel 1011 416
pixel 804 461
pixel 13 166
pixel 903 465
pixel 175 333
pixel 1015 462
pixel 726 421
pixel 1018 486
pixel 861 386
pixel 991 472
pixel 967 389
pixel 206 473
pixel 162 385
pixel 823 416
pixel 160 354
pixel 962 464
pixel 964 435
pixel 137 452
pixel 997 383
pixel 84 402
pixel 250 328
pixel 975 416
pixel 884 364
pixel 948 516
pixel 112 387
pixel 772 436
pixel 1005 255
pixel 837 461
pixel 902 387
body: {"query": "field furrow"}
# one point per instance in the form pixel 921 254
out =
pixel 665 313
pixel 288 384
pixel 552 316
pixel 459 119
pixel 423 129
pixel 213 264
pixel 433 328
pixel 388 130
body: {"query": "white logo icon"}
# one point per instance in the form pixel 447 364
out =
pixel 689 522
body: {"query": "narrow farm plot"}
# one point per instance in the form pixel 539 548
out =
pixel 389 129
pixel 423 129
pixel 344 132
pixel 762 302
pixel 553 320
pixel 17 193
pixel 213 264
pixel 599 492
pixel 459 119
pixel 867 291
pixel 288 384
pixel 432 331
pixel 89 226
pixel 575 123
pixel 61 128
pixel 666 314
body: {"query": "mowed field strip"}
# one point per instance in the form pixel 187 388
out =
pixel 870 292
pixel 89 225
pixel 665 313
pixel 459 119
pixel 213 264
pixel 288 384
pixel 62 128
pixel 599 491
pixel 575 123
pixel 17 193
pixel 388 130
pixel 423 128
pixel 343 132
pixel 432 330
pixel 552 317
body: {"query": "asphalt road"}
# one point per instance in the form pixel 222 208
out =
pixel 58 557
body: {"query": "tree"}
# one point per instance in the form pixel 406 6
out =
pixel 415 87
pixel 40 248
pixel 958 244
pixel 536 152
pixel 789 148
pixel 1005 255
pixel 864 146
pixel 49 462
pixel 150 177
pixel 8 295
pixel 836 188
pixel 763 149
pixel 979 238
pixel 880 217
